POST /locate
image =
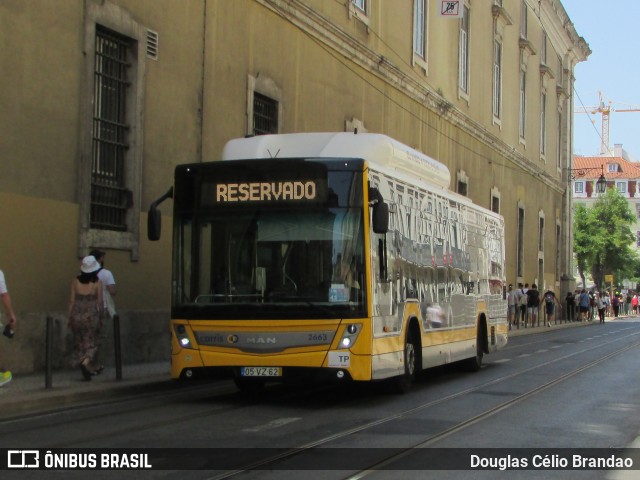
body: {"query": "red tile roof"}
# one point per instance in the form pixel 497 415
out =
pixel 626 169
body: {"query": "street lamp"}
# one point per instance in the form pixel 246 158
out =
pixel 601 184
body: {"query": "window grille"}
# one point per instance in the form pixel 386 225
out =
pixel 110 200
pixel 265 115
pixel 152 44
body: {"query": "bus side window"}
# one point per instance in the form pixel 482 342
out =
pixel 382 256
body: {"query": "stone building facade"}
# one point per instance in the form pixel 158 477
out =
pixel 101 99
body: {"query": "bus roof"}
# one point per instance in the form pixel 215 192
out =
pixel 380 151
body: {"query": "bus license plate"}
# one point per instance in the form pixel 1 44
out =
pixel 261 371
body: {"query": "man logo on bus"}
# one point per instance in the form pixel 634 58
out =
pixel 265 191
pixel 232 339
pixel 261 340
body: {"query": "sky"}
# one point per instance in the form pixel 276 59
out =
pixel 612 30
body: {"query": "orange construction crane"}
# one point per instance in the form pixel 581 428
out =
pixel 605 110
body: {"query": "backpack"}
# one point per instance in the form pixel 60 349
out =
pixel 548 298
pixel 524 299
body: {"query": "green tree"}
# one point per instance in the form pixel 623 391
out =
pixel 583 245
pixel 603 238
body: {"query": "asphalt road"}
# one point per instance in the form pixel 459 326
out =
pixel 561 390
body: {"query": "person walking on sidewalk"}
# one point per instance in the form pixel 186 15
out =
pixel 512 314
pixel 571 304
pixel 85 316
pixel 5 375
pixel 607 304
pixel 627 303
pixel 550 302
pixel 534 305
pixel 615 304
pixel 601 307
pixel 522 300
pixel 584 303
pixel 108 283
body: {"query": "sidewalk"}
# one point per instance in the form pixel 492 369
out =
pixel 515 332
pixel 26 394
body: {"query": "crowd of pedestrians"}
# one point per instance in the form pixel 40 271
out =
pixel 602 304
pixel 527 307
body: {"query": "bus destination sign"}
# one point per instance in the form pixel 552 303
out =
pixel 287 191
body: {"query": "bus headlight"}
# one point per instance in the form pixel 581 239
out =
pixel 182 336
pixel 349 335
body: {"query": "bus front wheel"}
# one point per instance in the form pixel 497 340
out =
pixel 403 383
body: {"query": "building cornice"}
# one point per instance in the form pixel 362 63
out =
pixel 345 45
pixel 562 33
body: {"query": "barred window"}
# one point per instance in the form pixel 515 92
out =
pixel 110 200
pixel 265 115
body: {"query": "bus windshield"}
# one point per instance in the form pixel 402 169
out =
pixel 276 261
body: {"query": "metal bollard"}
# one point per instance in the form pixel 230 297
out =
pixel 48 377
pixel 116 346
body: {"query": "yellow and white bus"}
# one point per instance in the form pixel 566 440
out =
pixel 333 254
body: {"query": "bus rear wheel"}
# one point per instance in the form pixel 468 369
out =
pixel 474 364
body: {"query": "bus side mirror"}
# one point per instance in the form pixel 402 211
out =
pixel 380 217
pixel 154 219
pixel 380 214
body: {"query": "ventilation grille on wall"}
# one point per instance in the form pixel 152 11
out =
pixel 152 44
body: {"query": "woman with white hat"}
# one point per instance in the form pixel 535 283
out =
pixel 85 313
